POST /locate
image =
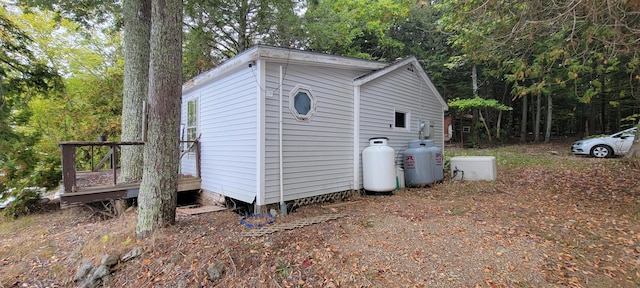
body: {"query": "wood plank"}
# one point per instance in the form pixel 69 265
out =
pixel 103 161
pixel 199 210
pixel 99 143
pixel 188 184
pixel 118 191
pixel 105 188
pixel 77 199
pixel 184 184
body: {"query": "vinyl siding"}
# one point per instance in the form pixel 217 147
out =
pixel 405 91
pixel 318 154
pixel 227 123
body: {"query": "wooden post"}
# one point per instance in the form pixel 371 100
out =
pixel 91 157
pixel 114 162
pixel 197 145
pixel 119 206
pixel 69 167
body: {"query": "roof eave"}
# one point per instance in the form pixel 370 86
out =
pixel 278 54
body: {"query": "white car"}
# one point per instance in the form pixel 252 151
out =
pixel 608 146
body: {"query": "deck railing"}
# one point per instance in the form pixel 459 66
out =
pixel 69 168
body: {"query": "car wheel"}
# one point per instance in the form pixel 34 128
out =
pixel 601 151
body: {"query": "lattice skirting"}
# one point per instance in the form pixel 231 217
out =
pixel 337 196
pixel 292 204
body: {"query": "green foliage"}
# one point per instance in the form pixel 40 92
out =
pixel 24 203
pixel 37 117
pixel 127 241
pixel 22 77
pixel 366 223
pixel 633 119
pixel 356 28
pixel 540 49
pixel 89 13
pixel 213 35
pixel 421 37
pixel 477 103
pixel 283 269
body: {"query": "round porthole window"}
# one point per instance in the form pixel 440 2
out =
pixel 302 103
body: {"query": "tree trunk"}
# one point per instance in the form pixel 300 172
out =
pixel 603 105
pixel 476 112
pixel 137 24
pixel 523 122
pixel 498 124
pixel 484 123
pixel 634 151
pixel 499 121
pixel 547 134
pixel 243 38
pixel 474 80
pixel 536 124
pixel 158 190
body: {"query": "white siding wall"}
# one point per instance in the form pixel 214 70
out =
pixel 227 124
pixel 187 162
pixel 318 154
pixel 403 90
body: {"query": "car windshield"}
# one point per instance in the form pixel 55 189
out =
pixel 626 133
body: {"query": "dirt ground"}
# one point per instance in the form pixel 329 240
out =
pixel 572 223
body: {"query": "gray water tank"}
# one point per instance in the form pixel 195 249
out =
pixel 418 164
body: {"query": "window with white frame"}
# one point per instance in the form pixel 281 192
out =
pixel 192 125
pixel 401 119
pixel 302 103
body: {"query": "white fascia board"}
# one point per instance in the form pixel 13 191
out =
pixel 285 55
pixel 236 62
pixel 317 59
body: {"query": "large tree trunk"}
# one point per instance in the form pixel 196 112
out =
pixel 536 122
pixel 476 112
pixel 137 24
pixel 634 151
pixel 547 134
pixel 158 190
pixel 523 122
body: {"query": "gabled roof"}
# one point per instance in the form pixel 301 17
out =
pixel 294 56
pixel 285 55
pixel 399 64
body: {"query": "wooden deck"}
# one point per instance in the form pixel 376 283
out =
pixel 81 188
pixel 118 191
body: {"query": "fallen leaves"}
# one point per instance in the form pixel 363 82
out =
pixel 571 224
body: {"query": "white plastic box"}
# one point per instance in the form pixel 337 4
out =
pixel 473 168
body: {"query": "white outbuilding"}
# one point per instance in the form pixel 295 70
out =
pixel 278 124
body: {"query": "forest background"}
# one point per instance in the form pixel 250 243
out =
pixel 525 71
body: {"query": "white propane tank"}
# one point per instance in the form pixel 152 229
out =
pixel 378 166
